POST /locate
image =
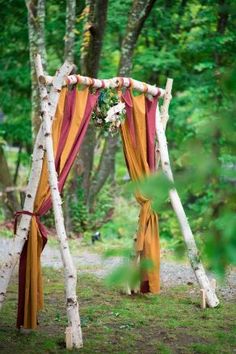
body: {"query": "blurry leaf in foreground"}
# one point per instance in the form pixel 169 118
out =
pixel 146 265
pixel 128 273
pixel 220 242
pixel 154 187
pixel 121 252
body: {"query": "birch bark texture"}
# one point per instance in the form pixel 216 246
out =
pixel 192 250
pixel 69 49
pixel 37 161
pixel 36 30
pixel 69 269
pixel 114 82
pixel 139 12
pixel 164 115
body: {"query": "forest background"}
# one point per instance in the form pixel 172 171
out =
pixel 193 42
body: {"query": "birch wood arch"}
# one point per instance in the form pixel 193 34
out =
pixel 44 144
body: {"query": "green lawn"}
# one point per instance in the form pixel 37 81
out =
pixel 114 323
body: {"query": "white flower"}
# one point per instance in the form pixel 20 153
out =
pixel 114 112
pixel 118 124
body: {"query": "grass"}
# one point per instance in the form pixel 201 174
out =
pixel 114 323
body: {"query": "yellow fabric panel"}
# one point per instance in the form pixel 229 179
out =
pixel 57 122
pixel 136 155
pixel 140 131
pixel 151 250
pixel 43 188
pixel 79 109
pixel 33 286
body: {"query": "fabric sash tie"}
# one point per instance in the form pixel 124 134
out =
pixel 43 230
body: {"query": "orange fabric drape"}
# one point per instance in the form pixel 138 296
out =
pixel 43 191
pixel 80 99
pixel 135 150
pixel 33 284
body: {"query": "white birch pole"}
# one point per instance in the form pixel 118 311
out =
pixel 164 115
pixel 70 271
pixel 37 160
pixel 192 250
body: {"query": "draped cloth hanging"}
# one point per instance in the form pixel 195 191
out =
pixel 138 136
pixel 68 130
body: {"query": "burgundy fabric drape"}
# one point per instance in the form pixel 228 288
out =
pixel 151 107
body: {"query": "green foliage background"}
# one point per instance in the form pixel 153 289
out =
pixel 180 39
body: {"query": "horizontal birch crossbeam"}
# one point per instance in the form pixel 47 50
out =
pixel 114 82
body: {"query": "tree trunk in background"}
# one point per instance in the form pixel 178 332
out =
pixel 10 203
pixel 69 49
pixel 93 36
pixel 138 14
pixel 218 205
pixel 69 55
pixel 36 27
pixel 105 168
pixel 223 15
pixel 18 161
pixel 90 58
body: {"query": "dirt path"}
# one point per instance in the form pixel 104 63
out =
pixel 172 273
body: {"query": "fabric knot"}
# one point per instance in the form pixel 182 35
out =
pixel 19 213
pixel 42 228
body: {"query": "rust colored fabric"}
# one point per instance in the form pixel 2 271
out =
pixel 138 136
pixel 68 130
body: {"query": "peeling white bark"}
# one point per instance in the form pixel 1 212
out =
pixel 37 160
pixel 36 32
pixel 111 83
pixel 192 250
pixel 69 38
pixel 22 230
pixel 70 271
pixel 164 115
pixel 166 102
